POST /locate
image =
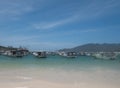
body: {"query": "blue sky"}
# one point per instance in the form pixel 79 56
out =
pixel 56 24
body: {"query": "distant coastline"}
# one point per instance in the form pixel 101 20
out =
pixel 95 47
pixel 91 47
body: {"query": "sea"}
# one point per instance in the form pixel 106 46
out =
pixel 59 72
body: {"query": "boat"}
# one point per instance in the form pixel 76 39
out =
pixel 105 55
pixel 68 54
pixel 14 53
pixel 40 54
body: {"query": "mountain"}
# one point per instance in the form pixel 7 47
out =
pixel 95 48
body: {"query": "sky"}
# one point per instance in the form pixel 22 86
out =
pixel 57 24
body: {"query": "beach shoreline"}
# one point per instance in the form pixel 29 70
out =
pixel 97 78
pixel 58 72
pixel 46 84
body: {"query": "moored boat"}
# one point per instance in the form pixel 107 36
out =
pixel 40 54
pixel 13 53
pixel 68 54
pixel 105 55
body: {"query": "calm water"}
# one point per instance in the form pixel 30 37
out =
pixel 79 63
pixel 85 72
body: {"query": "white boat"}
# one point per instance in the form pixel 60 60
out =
pixel 105 55
pixel 40 54
pixel 13 53
pixel 68 54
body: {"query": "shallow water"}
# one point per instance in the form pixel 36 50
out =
pixel 57 69
pixel 81 62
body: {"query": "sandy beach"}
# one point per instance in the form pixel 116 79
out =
pixel 45 84
pixel 57 72
pixel 57 78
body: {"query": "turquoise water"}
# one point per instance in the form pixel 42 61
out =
pixel 79 63
pixel 57 69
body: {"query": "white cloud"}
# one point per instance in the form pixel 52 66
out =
pixel 13 9
pixel 93 10
pixel 49 25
